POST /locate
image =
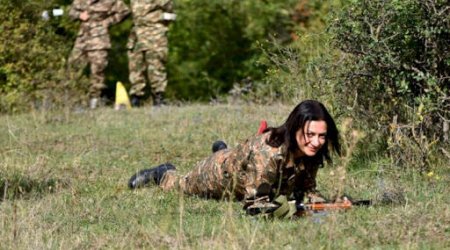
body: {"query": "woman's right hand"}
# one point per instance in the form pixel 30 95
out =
pixel 315 198
pixel 84 16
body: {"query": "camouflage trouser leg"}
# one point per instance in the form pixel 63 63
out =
pixel 98 60
pixel 170 180
pixel 210 178
pixel 136 66
pixel 78 60
pixel 156 69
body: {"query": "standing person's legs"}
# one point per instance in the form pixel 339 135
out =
pixel 98 60
pixel 136 67
pixel 156 73
pixel 156 68
pixel 77 61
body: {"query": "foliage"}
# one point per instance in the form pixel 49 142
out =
pixel 214 44
pixel 305 68
pixel 399 62
pixel 32 58
pixel 397 77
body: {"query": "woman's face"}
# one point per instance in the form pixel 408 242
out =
pixel 312 138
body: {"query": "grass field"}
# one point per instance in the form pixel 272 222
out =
pixel 63 183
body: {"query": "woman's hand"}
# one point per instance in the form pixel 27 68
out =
pixel 315 198
pixel 84 16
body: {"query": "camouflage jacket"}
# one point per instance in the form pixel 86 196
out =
pixel 93 33
pixel 149 27
pixel 252 169
pixel 149 12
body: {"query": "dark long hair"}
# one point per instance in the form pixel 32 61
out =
pixel 309 110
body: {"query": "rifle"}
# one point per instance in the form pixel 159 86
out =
pixel 282 208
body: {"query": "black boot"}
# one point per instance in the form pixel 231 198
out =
pixel 145 176
pixel 135 101
pixel 158 99
pixel 218 145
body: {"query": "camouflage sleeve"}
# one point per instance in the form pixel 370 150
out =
pixel 75 10
pixel 168 6
pixel 118 12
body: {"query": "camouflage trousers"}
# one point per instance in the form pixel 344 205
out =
pixel 147 64
pixel 98 60
pixel 211 178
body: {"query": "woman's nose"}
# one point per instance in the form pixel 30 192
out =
pixel 315 141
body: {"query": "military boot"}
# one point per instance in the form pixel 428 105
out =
pixel 158 99
pixel 136 101
pixel 218 145
pixel 145 176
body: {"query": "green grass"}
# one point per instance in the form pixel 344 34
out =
pixel 66 177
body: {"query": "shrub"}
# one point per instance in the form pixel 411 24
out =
pixel 397 75
pixel 305 68
pixel 32 58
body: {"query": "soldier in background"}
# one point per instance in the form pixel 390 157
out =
pixel 148 48
pixel 93 41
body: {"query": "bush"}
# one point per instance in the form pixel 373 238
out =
pixel 305 68
pixel 400 57
pixel 397 75
pixel 32 59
